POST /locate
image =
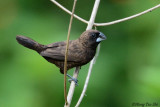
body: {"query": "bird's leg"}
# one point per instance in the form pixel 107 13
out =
pixel 72 79
pixel 79 67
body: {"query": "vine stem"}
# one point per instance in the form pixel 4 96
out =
pixel 72 86
pixel 69 12
pixel 88 76
pixel 75 75
pixel 128 18
pixel 66 54
pixel 91 23
pixel 107 23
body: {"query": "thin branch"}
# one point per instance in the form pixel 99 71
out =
pixel 93 15
pixel 88 76
pixel 90 25
pixel 69 12
pixel 75 75
pixel 108 23
pixel 127 18
pixel 66 53
pixel 72 86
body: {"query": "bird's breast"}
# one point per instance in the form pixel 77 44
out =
pixel 89 54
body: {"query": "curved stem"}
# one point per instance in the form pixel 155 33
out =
pixel 66 53
pixel 72 86
pixel 108 23
pixel 127 18
pixel 69 12
pixel 93 15
pixel 88 76
pixel 75 75
pixel 90 25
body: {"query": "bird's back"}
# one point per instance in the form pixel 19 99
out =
pixel 77 54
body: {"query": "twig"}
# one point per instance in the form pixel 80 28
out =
pixel 66 53
pixel 90 25
pixel 75 75
pixel 108 23
pixel 72 86
pixel 93 15
pixel 127 18
pixel 69 12
pixel 88 76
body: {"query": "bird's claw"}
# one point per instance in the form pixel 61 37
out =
pixel 73 79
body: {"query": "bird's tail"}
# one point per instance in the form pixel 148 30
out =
pixel 29 43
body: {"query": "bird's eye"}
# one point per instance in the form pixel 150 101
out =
pixel 94 35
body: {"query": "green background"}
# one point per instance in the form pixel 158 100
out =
pixel 127 70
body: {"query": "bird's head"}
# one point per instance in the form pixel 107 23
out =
pixel 91 38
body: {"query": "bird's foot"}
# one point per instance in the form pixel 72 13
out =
pixel 72 79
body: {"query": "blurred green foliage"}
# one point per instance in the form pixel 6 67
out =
pixel 127 69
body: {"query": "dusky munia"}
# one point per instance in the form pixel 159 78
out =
pixel 80 51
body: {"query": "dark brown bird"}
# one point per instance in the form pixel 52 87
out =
pixel 80 52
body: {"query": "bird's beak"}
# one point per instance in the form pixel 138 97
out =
pixel 101 37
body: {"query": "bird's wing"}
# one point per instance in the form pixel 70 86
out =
pixel 56 51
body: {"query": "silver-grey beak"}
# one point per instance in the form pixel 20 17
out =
pixel 101 37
